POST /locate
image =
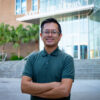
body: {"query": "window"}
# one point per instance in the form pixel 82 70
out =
pixel 35 5
pixel 83 51
pixel 43 6
pixel 75 51
pixel 23 8
pixel 20 6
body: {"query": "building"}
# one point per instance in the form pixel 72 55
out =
pixel 9 11
pixel 79 20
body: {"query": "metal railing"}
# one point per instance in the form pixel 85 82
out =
pixel 3 56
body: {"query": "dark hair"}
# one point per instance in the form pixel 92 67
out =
pixel 50 20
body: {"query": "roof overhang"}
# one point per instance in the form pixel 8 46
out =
pixel 35 18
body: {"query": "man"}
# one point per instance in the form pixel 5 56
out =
pixel 49 74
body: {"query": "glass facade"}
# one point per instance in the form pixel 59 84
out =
pixel 75 35
pixel 43 6
pixel 56 5
pixel 94 32
pixel 81 37
pixel 20 6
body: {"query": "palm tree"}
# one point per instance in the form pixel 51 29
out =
pixel 18 36
pixel 13 34
pixel 4 35
pixel 33 32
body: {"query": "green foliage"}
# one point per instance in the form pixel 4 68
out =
pixel 15 57
pixel 18 35
pixel 24 35
pixel 32 32
pixel 4 33
pixel 16 45
pixel 12 34
pixel 0 58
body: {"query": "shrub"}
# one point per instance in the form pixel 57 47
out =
pixel 15 57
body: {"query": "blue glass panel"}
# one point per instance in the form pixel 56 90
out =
pixel 23 8
pixel 18 7
pixel 35 5
pixel 83 51
pixel 84 2
pixel 72 3
pixel 44 5
pixel 52 5
pixel 91 1
pixel 75 51
pixel 58 4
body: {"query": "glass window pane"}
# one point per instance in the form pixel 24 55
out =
pixel 18 7
pixel 90 1
pixel 58 4
pixel 35 5
pixel 23 8
pixel 94 32
pixel 83 51
pixel 75 51
pixel 43 6
pixel 84 2
pixel 52 5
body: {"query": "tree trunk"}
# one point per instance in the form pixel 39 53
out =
pixel 19 51
pixel 3 51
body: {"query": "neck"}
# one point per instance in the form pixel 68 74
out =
pixel 50 49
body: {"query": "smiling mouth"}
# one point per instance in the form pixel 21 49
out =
pixel 49 39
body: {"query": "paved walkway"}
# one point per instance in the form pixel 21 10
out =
pixel 86 90
pixel 81 90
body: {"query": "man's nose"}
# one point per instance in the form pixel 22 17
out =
pixel 50 34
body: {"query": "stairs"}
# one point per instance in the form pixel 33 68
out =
pixel 84 69
pixel 87 69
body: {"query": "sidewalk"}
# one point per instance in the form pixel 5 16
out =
pixel 86 90
pixel 81 90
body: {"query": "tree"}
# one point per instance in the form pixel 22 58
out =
pixel 4 35
pixel 33 32
pixel 18 36
pixel 13 34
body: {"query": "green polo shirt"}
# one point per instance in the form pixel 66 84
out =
pixel 44 68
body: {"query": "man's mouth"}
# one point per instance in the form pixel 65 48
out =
pixel 49 39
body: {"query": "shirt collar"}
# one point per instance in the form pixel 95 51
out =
pixel 54 53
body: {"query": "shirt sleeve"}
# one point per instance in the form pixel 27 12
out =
pixel 28 69
pixel 68 68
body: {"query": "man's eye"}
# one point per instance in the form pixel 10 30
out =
pixel 46 32
pixel 54 32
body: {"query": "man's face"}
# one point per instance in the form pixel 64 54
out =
pixel 50 34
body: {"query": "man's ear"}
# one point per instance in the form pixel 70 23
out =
pixel 40 34
pixel 60 35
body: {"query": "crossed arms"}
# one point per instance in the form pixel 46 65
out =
pixel 53 90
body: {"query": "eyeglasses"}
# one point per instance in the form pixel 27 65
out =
pixel 50 31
